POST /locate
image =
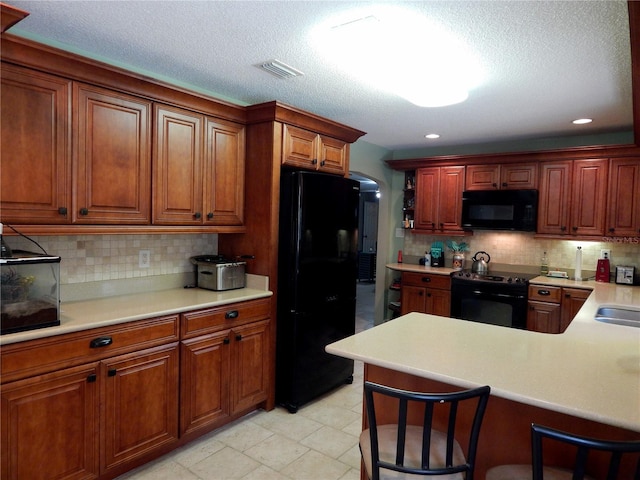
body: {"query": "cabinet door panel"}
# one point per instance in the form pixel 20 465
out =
pixel 543 317
pixel 204 383
pixel 439 302
pixel 249 371
pixel 413 299
pixel 299 147
pixel 333 155
pixel 140 410
pixel 624 197
pixel 427 193
pixel 50 425
pixel 224 174
pixel 555 192
pixel 572 301
pixel 514 176
pixel 35 147
pixel 112 152
pixel 177 163
pixel 589 197
pixel 450 198
pixel 483 177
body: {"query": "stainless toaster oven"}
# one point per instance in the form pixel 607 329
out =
pixel 216 272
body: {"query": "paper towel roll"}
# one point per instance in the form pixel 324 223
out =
pixel 579 264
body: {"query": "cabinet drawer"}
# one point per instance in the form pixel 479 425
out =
pixel 543 293
pixel 25 359
pixel 227 316
pixel 426 280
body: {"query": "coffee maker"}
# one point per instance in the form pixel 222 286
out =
pixel 603 269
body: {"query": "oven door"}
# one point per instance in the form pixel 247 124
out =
pixel 479 303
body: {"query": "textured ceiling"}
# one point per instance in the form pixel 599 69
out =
pixel 545 63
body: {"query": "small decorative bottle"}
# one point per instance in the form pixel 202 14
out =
pixel 544 265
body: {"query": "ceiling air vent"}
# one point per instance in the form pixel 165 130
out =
pixel 279 69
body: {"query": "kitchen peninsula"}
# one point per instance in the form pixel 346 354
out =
pixel 586 380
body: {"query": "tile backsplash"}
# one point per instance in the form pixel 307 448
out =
pixel 518 248
pixel 97 258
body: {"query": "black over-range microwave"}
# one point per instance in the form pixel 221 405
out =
pixel 500 210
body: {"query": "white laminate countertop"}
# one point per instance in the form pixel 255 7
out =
pixel 87 314
pixel 411 267
pixel 591 371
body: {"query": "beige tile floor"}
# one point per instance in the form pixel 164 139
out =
pixel 319 442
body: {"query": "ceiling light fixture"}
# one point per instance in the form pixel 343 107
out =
pixel 399 51
pixel 582 121
pixel 280 69
pixel 432 136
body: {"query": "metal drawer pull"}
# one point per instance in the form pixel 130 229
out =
pixel 426 279
pixel 544 292
pixel 231 314
pixel 112 372
pixel 100 342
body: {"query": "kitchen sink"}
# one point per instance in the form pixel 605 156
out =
pixel 629 316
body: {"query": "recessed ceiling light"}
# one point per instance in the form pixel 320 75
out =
pixel 582 121
pixel 432 136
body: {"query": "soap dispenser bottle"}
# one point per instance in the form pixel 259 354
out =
pixel 544 264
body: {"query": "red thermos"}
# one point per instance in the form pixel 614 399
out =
pixel 602 271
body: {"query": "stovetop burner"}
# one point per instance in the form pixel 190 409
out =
pixel 493 277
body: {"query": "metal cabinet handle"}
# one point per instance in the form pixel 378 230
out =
pixel 232 314
pixel 197 215
pixel 112 372
pixel 505 184
pixel 238 337
pixel 100 342
pixel 494 185
pixel 226 341
pixel 544 292
pixel 210 215
pixel 62 210
pixel 426 279
pixel 322 163
pixel 314 161
pixel 84 211
pixel 92 378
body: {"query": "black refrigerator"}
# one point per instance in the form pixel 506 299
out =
pixel 317 274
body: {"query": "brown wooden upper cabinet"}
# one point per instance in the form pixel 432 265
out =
pixel 36 147
pixel 502 177
pixel 573 197
pixel 94 173
pixel 304 149
pixel 112 166
pixel 198 168
pixel 438 206
pixel 623 216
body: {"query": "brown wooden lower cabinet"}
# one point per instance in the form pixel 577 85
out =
pixel 50 426
pixel 74 410
pixel 426 293
pixel 81 422
pixel 551 309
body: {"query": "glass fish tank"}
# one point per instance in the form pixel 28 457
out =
pixel 30 296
